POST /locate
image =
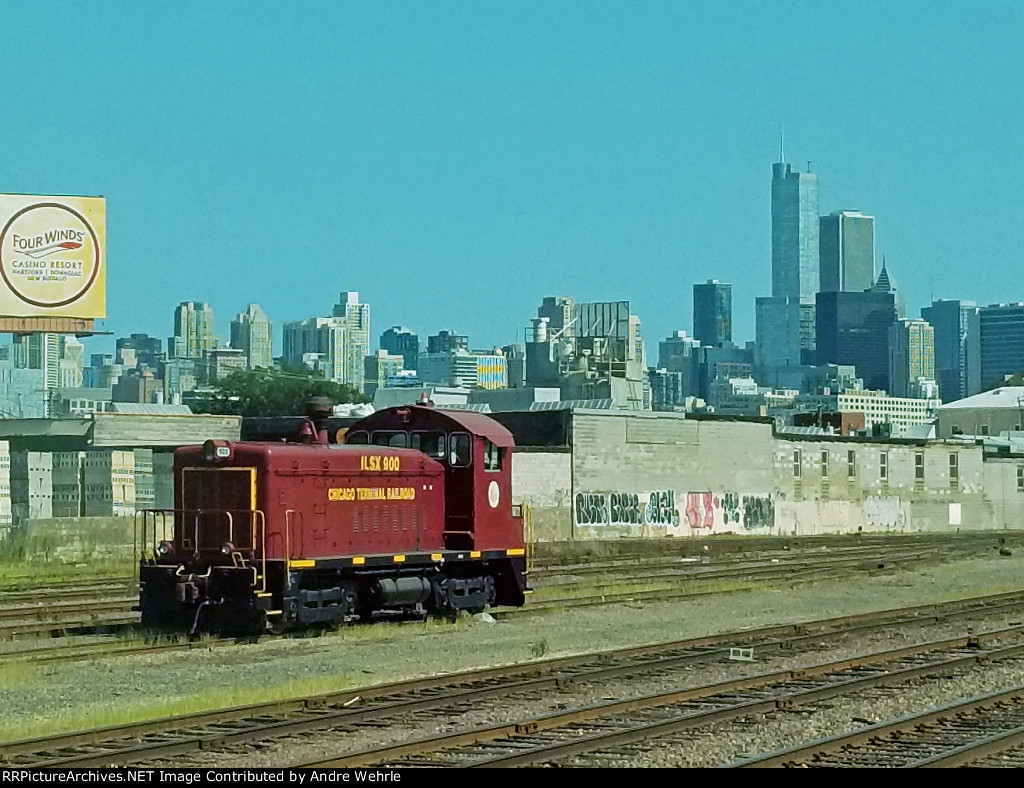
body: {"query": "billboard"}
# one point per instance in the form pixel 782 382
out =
pixel 53 256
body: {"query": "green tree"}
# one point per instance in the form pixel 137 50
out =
pixel 273 392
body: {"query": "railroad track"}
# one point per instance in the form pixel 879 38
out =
pixel 612 726
pixel 639 564
pixel 718 547
pixel 770 567
pixel 78 590
pixel 987 730
pixel 59 617
pixel 70 617
pixel 173 737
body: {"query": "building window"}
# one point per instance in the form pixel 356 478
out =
pixel 1020 478
pixel 851 464
pixel 954 467
pixel 919 465
pixel 984 429
pixel 796 463
pixel 956 431
pixel 883 466
pixel 824 464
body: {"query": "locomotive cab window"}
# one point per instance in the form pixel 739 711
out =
pixel 461 449
pixel 398 440
pixel 430 442
pixel 492 457
pixel 358 438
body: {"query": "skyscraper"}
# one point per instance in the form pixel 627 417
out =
pixel 401 341
pixel 357 336
pixel 712 313
pixel 853 328
pixel 138 350
pixel 1001 338
pixel 847 251
pixel 42 352
pixel 952 321
pixel 911 356
pixel 252 332
pixel 445 341
pixel 795 245
pixel 193 330
pixel 777 326
pixel 318 343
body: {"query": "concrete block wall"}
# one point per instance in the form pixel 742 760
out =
pixel 72 539
pixel 655 475
pixel 67 483
pixel 163 480
pixel 543 479
pixel 31 485
pixel 6 512
pixel 647 475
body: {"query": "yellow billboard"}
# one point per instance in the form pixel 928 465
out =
pixel 53 254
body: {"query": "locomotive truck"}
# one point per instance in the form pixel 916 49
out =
pixel 412 513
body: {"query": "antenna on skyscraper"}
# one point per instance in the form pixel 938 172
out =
pixel 782 146
pixel 808 165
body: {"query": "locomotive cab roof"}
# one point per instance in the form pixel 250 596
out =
pixel 420 417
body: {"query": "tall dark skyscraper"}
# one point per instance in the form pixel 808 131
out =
pixel 712 313
pixel 1001 340
pixel 953 321
pixel 795 245
pixel 853 328
pixel 847 251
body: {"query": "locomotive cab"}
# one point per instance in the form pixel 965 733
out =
pixel 476 454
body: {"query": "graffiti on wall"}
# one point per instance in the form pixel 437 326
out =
pixel 732 508
pixel 656 508
pixel 625 509
pixel 884 511
pixel 758 512
pixel 661 508
pixel 591 509
pixel 701 510
pixel 707 510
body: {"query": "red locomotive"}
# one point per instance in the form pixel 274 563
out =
pixel 414 512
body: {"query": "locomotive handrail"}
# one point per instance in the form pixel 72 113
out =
pixel 258 532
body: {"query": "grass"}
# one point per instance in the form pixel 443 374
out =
pixel 119 712
pixel 17 674
pixel 15 574
pixel 115 712
pixel 112 712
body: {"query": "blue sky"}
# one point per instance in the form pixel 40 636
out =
pixel 456 162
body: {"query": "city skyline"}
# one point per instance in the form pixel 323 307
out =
pixel 464 147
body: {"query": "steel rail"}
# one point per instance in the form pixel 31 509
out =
pixel 587 667
pixel 517 735
pixel 819 751
pixel 41 620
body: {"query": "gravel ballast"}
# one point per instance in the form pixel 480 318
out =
pixel 46 698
